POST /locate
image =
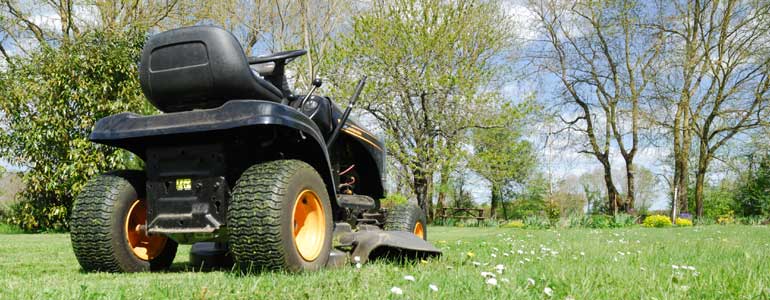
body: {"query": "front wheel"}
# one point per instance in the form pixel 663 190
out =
pixel 280 218
pixel 409 218
pixel 108 227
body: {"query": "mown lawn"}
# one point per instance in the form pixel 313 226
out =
pixel 715 262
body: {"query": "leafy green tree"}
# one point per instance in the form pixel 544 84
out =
pixel 753 195
pixel 531 199
pixel 719 200
pixel 51 100
pixel 434 66
pixel 501 157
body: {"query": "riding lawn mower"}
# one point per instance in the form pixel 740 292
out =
pixel 239 166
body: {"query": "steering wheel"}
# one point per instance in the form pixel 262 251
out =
pixel 286 56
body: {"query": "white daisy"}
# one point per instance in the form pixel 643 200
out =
pixel 500 268
pixel 487 274
pixel 396 290
pixel 491 281
pixel 530 281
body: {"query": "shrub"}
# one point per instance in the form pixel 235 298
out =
pixel 600 221
pixel 751 220
pixel 656 221
pixel 537 222
pixel 623 220
pixel 30 217
pixel 725 219
pixel 705 221
pixel 490 223
pixel 514 224
pixel 718 200
pixel 469 223
pixel 577 221
pixel 9 229
pixel 682 222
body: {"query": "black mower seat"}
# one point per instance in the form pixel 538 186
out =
pixel 199 67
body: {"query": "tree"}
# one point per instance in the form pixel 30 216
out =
pixel 25 33
pixel 51 100
pixel 753 194
pixel 433 66
pixel 568 198
pixel 531 199
pixel 501 156
pixel 604 59
pixel 718 74
pixel 462 198
pixel 268 25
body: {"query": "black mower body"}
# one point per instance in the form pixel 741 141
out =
pixel 221 117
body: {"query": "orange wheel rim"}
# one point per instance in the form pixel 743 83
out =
pixel 308 225
pixel 143 246
pixel 419 230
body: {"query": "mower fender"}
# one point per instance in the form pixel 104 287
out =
pixel 136 133
pixel 120 129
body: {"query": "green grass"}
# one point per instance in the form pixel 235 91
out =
pixel 731 262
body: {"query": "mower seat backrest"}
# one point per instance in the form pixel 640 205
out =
pixel 199 67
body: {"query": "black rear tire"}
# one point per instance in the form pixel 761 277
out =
pixel 97 229
pixel 261 217
pixel 407 217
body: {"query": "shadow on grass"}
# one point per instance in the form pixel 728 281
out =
pixel 181 267
pixel 237 271
pixel 184 267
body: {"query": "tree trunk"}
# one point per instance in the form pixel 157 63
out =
pixel 684 175
pixel 442 191
pixel 612 192
pixel 631 188
pixel 682 140
pixel 495 201
pixel 422 182
pixel 429 198
pixel 503 204
pixel 699 182
pixel 700 178
pixel 421 190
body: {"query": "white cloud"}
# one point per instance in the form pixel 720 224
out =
pixel 523 18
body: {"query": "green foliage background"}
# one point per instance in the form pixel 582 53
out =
pixel 753 195
pixel 51 100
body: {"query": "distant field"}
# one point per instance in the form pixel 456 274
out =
pixel 715 262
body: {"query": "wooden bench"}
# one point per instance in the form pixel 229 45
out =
pixel 445 213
